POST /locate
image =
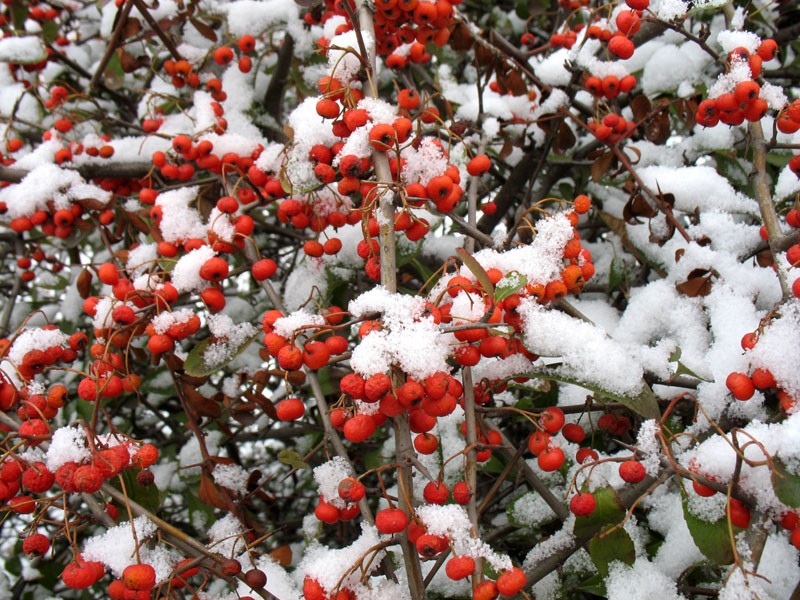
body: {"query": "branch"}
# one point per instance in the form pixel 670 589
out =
pixel 111 170
pixel 764 197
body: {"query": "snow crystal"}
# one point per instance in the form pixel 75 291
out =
pixel 551 68
pixel 671 66
pixel 232 477
pixel 531 510
pixel 424 162
pixel 328 475
pixel 186 274
pixel 220 224
pixel 560 540
pixel 68 444
pixel 328 567
pixel 254 18
pixel 727 82
pixel 26 50
pixel 179 221
pixel 224 535
pixel 291 323
pixel 230 338
pixel 642 580
pixel 43 183
pixel 587 351
pixel 35 339
pixel 408 340
pixel 279 583
pixel 728 40
pixel 698 187
pixel 668 10
pixel 452 521
pixel 779 566
pixel 344 60
pixel 778 348
pixel 116 549
pixel 141 258
pixel 773 95
pixel 164 320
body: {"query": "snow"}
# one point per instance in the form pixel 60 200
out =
pixel 296 322
pixel 642 580
pixel 186 274
pixel 180 222
pixel 407 339
pixel 328 475
pixel 68 444
pixel 25 50
pixel 331 568
pixel 232 477
pixel 229 338
pixel 115 549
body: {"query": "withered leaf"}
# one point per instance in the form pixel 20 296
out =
pixel 657 129
pixel 137 222
pixel 697 284
pixel 564 140
pixel 222 460
pixel 508 146
pixel 205 30
pixel 84 283
pixel 512 82
pixel 209 494
pixel 641 107
pixel 679 254
pixel 132 27
pixel 601 165
pixel 636 207
pixel 659 238
pixel 461 38
pixel 483 56
pixel 89 204
pixel 265 403
pixel 205 407
pixel 193 380
pixel 129 62
pixel 83 224
pixel 282 555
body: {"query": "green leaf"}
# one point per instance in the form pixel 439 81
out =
pixel 477 270
pixel 617 545
pixel 292 458
pixel 608 511
pixel 682 369
pixel 195 363
pixel 49 31
pixel 617 274
pixel 511 283
pixel 786 484
pixel 146 496
pixel 594 585
pixel 643 404
pixel 712 539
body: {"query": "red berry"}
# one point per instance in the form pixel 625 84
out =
pixel 582 505
pixel 739 513
pixel 740 385
pixel 351 489
pixel 632 471
pixel 511 582
pixel 573 433
pixel 290 409
pixel 359 428
pixel 552 419
pixel 391 520
pixel 459 567
pixel 551 460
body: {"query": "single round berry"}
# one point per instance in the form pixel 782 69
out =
pixel 632 471
pixel 582 505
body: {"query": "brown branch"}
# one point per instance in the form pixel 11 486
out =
pixel 122 19
pixel 758 176
pixel 157 28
